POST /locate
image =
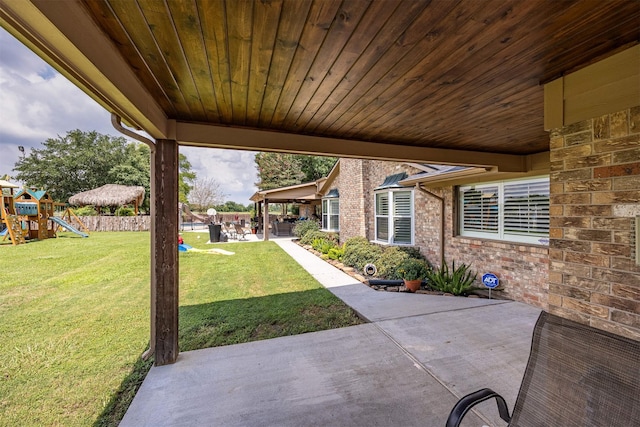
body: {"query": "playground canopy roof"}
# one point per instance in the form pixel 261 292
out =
pixel 109 195
pixel 35 194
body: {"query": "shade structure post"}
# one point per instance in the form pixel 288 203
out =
pixel 164 243
pixel 265 221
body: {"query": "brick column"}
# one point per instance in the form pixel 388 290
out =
pixel 352 199
pixel 595 197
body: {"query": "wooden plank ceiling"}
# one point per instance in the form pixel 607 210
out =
pixel 458 74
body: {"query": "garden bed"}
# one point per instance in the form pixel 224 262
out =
pixel 393 285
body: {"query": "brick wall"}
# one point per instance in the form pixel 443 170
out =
pixel 307 211
pixel 522 269
pixel 350 185
pixel 595 195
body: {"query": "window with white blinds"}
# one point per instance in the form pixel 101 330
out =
pixel 331 214
pixel 510 210
pixel 394 217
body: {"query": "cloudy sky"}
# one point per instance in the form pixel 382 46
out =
pixel 37 103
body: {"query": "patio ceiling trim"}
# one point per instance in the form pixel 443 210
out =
pixel 206 135
pixel 68 40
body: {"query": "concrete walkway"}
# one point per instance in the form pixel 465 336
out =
pixel 407 367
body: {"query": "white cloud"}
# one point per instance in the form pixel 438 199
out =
pixel 38 103
pixel 234 169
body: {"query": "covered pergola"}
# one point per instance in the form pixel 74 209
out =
pixel 467 82
pixel 307 193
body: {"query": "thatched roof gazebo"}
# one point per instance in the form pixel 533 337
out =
pixel 110 195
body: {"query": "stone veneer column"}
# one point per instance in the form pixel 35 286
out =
pixel 595 197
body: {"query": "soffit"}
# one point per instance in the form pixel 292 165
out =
pixel 404 74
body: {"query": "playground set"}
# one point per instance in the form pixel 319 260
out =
pixel 29 214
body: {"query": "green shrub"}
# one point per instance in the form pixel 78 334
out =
pixel 413 252
pixel 389 261
pixel 413 269
pixel 358 252
pixel 303 227
pixel 125 211
pixel 310 236
pixel 336 253
pixel 85 211
pixel 457 281
pixel 323 245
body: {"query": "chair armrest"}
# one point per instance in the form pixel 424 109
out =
pixel 470 400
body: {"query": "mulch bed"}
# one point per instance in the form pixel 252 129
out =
pixel 388 288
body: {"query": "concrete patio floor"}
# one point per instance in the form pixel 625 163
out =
pixel 407 367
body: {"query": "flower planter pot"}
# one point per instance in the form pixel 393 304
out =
pixel 413 285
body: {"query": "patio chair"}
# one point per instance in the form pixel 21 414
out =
pixel 576 376
pixel 229 231
pixel 240 232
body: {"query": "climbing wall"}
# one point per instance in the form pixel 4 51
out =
pixel 14 228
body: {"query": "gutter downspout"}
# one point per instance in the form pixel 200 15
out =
pixel 116 123
pixel 442 223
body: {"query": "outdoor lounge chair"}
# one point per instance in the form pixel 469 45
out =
pixel 229 231
pixel 576 376
pixel 240 232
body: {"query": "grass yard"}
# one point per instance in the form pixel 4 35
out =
pixel 74 318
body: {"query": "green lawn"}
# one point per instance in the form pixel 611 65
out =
pixel 74 317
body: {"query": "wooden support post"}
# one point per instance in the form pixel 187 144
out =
pixel 265 221
pixel 164 287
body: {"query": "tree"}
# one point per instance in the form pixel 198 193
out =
pixel 233 207
pixel 186 178
pixel 277 170
pixel 316 167
pixel 205 193
pixel 81 161
pixel 135 170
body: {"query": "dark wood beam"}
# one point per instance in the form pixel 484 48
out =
pixel 206 135
pixel 165 252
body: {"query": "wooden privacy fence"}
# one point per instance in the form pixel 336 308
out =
pixel 143 222
pixel 117 223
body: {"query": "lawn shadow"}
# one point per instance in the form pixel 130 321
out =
pixel 237 321
pixel 243 320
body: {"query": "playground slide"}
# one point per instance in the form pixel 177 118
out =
pixel 68 226
pixel 196 216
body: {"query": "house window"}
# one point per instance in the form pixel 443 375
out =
pixel 394 217
pixel 516 210
pixel 331 212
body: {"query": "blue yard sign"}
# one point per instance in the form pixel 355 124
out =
pixel 490 280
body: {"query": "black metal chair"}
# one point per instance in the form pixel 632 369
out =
pixel 576 376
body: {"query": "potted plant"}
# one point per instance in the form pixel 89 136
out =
pixel 413 271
